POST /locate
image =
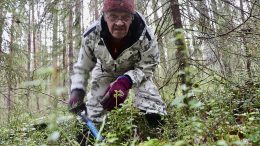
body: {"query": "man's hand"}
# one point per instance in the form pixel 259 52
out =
pixel 116 92
pixel 76 101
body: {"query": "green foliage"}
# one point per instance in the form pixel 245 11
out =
pixel 46 130
pixel 121 126
pixel 223 108
pixel 219 113
pixel 212 121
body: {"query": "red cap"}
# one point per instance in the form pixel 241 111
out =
pixel 119 5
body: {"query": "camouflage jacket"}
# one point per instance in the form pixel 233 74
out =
pixel 138 60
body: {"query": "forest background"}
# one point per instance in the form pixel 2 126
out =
pixel 209 73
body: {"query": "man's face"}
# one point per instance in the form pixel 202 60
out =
pixel 118 23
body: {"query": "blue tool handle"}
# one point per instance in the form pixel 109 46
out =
pixel 91 126
pixel 94 130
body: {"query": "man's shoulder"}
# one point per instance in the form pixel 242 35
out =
pixel 91 29
pixel 149 34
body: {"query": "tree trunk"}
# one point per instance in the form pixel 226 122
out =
pixel 38 44
pixel 160 41
pixel 33 36
pixel 10 99
pixel 197 53
pixel 221 56
pixel 181 53
pixel 28 55
pixel 64 53
pixel 244 42
pixel 142 6
pixel 55 40
pixel 55 48
pixel 77 23
pixel 34 48
pixel 70 39
pixel 96 9
pixel 212 55
pixel 2 20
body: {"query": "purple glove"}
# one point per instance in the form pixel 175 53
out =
pixel 75 102
pixel 116 92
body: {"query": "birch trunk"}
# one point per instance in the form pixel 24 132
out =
pixel 70 40
pixel 28 55
pixel 2 20
pixel 245 44
pixel 55 48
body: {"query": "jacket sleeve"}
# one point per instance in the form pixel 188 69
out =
pixel 84 65
pixel 150 58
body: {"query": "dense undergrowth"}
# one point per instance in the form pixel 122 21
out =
pixel 220 114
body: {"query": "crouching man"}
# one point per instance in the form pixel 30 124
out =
pixel 120 53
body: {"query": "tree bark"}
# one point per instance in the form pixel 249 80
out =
pixel 28 55
pixel 212 56
pixel 160 40
pixel 70 40
pixel 55 48
pixel 2 20
pixel 222 57
pixel 181 53
pixel 77 23
pixel 64 49
pixel 244 42
pixel 197 53
pixel 10 98
pixel 34 38
pixel 96 9
pixel 180 44
pixel 64 53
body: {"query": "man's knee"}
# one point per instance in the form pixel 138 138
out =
pixel 154 120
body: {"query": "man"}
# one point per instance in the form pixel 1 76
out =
pixel 121 53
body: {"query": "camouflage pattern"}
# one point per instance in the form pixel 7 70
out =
pixel 138 61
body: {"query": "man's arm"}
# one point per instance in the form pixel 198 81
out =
pixel 85 63
pixel 150 58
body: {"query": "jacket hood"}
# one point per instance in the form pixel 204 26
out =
pixel 135 31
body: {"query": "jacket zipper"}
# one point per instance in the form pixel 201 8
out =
pixel 115 67
pixel 110 55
